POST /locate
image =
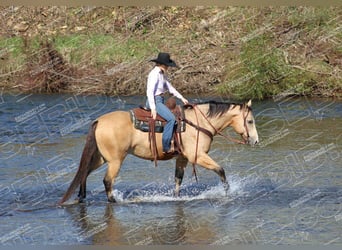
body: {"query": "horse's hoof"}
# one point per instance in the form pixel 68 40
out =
pixel 81 200
pixel 111 199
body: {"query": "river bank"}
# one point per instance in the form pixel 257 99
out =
pixel 239 52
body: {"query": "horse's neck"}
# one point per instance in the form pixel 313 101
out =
pixel 222 121
pixel 218 122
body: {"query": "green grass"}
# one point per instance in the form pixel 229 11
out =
pixel 262 70
pixel 13 49
pixel 94 49
pixel 98 49
pixel 13 45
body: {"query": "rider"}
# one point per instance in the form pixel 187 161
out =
pixel 157 85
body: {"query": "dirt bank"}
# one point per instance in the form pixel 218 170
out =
pixel 235 51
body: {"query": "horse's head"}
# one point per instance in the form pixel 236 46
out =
pixel 244 124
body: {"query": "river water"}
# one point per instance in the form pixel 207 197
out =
pixel 287 190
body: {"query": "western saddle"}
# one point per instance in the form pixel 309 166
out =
pixel 142 120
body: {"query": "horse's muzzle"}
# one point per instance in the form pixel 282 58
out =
pixel 252 141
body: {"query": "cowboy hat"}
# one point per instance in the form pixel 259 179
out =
pixel 164 58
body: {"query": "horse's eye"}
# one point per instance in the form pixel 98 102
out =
pixel 250 122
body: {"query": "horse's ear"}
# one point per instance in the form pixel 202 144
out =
pixel 249 104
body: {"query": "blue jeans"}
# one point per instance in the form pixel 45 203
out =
pixel 165 112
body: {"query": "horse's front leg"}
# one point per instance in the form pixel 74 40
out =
pixel 205 161
pixel 179 173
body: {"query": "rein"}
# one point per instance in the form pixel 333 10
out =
pixel 203 130
pixel 152 139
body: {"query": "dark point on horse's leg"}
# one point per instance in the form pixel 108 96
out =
pixel 176 192
pixel 81 195
pixel 108 188
pixel 222 174
pixel 179 173
pixel 81 199
pixel 111 199
pixel 178 182
pixel 226 187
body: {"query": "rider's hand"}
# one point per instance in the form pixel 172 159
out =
pixel 154 113
pixel 185 101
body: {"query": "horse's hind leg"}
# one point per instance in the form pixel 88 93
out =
pixel 179 173
pixel 82 192
pixel 96 162
pixel 205 161
pixel 108 180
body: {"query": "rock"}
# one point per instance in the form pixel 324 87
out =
pixel 9 23
pixel 21 27
pixel 40 26
pixel 204 25
pixel 51 32
pixel 108 27
pixel 80 28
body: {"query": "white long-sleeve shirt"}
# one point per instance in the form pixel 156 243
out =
pixel 157 84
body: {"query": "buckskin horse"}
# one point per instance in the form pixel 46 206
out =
pixel 112 136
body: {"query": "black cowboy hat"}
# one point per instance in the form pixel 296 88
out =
pixel 164 58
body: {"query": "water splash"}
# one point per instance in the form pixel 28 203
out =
pixel 156 192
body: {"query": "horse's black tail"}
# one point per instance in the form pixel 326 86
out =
pixel 90 156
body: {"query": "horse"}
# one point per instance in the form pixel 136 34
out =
pixel 112 136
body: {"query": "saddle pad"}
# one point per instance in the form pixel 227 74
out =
pixel 141 122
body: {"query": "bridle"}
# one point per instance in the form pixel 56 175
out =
pixel 245 123
pixel 207 132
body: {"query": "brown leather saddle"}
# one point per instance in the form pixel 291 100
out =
pixel 141 118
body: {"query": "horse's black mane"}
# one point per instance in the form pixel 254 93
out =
pixel 218 108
